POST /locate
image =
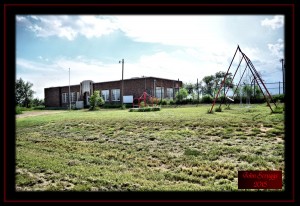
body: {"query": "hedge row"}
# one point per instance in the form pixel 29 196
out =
pixel 145 109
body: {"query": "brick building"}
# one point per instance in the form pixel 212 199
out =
pixel 111 91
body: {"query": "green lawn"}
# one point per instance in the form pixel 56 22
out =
pixel 175 149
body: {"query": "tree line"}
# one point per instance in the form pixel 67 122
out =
pixel 208 87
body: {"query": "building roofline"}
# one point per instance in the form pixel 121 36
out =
pixel 133 78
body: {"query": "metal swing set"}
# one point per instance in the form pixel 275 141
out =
pixel 256 78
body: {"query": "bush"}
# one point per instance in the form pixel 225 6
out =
pixel 96 101
pixel 278 97
pixel 18 110
pixel 195 101
pixel 164 102
pixel 39 107
pixel 111 106
pixel 207 99
pixel 142 104
pixel 145 109
pixel 171 102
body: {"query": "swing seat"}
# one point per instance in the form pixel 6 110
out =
pixel 230 99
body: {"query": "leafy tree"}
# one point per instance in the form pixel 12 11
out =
pixel 24 93
pixel 181 94
pixel 213 83
pixel 37 102
pixel 189 87
pixel 219 77
pixel 257 92
pixel 208 85
pixel 95 100
pixel 247 90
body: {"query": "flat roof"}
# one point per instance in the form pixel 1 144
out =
pixel 133 78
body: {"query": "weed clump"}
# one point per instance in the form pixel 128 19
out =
pixel 218 109
pixel 192 152
pixel 278 109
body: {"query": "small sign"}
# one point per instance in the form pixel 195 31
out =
pixel 260 180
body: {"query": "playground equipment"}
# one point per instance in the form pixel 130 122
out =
pixel 256 78
pixel 146 98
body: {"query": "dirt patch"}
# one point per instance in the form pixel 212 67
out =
pixel 36 113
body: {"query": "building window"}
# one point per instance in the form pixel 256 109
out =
pixel 170 93
pixel 73 97
pixel 105 95
pixel 160 92
pixel 115 94
pixel 65 98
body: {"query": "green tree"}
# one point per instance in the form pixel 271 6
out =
pixel 208 85
pixel 189 87
pixel 95 100
pixel 213 83
pixel 181 94
pixel 24 93
pixel 37 102
pixel 247 90
pixel 192 90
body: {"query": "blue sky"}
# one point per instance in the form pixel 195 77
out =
pixel 167 46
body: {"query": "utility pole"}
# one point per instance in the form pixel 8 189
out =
pixel 283 75
pixel 69 92
pixel 122 81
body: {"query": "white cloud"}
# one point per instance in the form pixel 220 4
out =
pixel 20 18
pixel 275 23
pixel 277 49
pixel 68 27
pixel 176 30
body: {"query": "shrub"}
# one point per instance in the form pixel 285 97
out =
pixel 142 104
pixel 111 106
pixel 18 110
pixel 278 109
pixel 39 107
pixel 95 100
pixel 171 102
pixel 163 102
pixel 145 109
pixel 207 99
pixel 278 97
pixel 195 101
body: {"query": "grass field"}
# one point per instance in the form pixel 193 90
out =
pixel 175 149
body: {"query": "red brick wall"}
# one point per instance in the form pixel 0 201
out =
pixel 52 97
pixel 65 89
pixel 135 87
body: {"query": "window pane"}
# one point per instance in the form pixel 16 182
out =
pixel 105 95
pixel 159 93
pixel 115 94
